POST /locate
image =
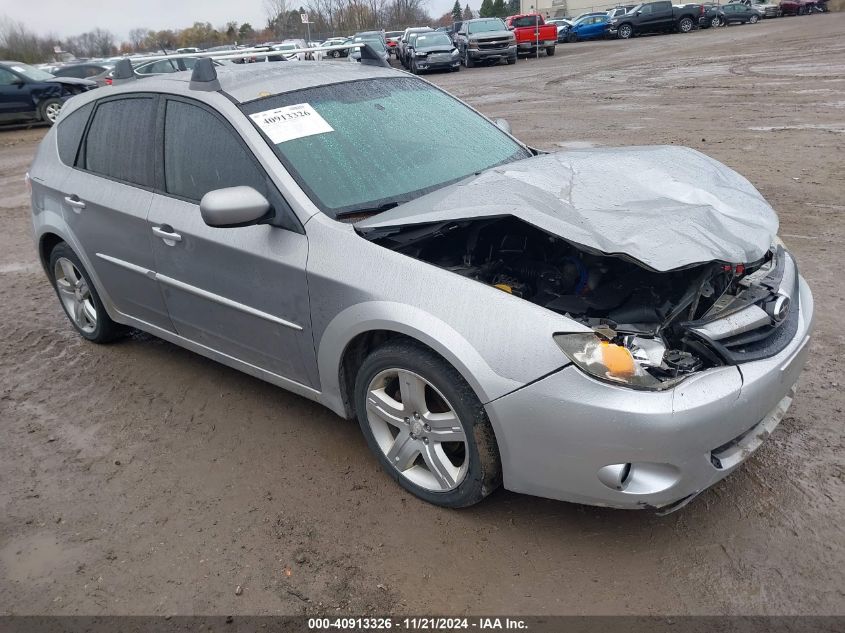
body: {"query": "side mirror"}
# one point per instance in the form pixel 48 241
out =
pixel 503 125
pixel 639 12
pixel 511 28
pixel 233 206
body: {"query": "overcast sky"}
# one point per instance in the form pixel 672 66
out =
pixel 71 17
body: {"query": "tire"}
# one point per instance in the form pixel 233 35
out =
pixel 716 22
pixel 625 32
pixel 79 298
pixel 550 51
pixel 335 54
pixel 450 473
pixel 49 110
pixel 754 19
pixel 469 62
pixel 685 25
pixel 456 69
pixel 511 60
pixel 413 68
pixel 571 38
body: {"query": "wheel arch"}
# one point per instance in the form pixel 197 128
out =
pixel 358 329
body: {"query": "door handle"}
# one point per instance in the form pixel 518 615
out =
pixel 74 201
pixel 166 232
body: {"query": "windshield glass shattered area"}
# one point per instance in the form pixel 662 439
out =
pixel 337 141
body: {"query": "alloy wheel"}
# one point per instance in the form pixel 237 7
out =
pixel 75 295
pixel 52 111
pixel 417 430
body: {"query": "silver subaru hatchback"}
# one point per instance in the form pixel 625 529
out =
pixel 618 327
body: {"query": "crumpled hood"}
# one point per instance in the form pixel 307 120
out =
pixel 72 81
pixel 664 206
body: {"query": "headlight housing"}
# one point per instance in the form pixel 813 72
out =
pixel 625 365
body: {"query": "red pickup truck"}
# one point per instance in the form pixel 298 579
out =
pixel 532 33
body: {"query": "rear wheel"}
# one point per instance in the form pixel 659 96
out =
pixel 716 22
pixel 335 54
pixel 550 51
pixel 625 32
pixel 685 25
pixel 753 19
pixel 79 298
pixel 426 426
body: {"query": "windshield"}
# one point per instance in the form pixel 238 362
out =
pixel 432 39
pixel 336 151
pixel 30 72
pixel 483 26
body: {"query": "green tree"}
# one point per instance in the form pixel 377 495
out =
pixel 499 9
pixel 456 11
pixel 486 10
pixel 467 13
pixel 246 31
pixel 513 7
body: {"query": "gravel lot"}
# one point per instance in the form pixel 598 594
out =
pixel 140 478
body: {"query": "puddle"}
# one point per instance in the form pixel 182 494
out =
pixel 34 558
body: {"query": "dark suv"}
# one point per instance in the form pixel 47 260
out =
pixel 31 94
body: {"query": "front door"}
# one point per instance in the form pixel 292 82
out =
pixel 240 291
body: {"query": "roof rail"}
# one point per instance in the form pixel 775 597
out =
pixel 123 71
pixel 204 76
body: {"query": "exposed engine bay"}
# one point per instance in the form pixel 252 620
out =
pixel 673 323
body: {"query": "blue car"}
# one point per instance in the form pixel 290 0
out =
pixel 30 94
pixel 588 27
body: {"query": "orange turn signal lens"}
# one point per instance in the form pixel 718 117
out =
pixel 618 360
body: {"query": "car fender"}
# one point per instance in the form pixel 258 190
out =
pixel 41 92
pixel 414 323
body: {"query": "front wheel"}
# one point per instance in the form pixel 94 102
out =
pixel 685 25
pixel 625 32
pixel 753 19
pixel 335 54
pixel 426 426
pixel 511 60
pixel 469 62
pixel 571 38
pixel 716 22
pixel 49 110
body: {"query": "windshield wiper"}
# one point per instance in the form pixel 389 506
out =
pixel 368 210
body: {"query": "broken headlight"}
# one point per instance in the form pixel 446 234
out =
pixel 627 364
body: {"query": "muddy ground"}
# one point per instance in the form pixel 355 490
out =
pixel 140 478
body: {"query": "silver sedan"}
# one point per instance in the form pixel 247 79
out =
pixel 617 327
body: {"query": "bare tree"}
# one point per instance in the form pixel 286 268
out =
pixel 20 44
pixel 138 38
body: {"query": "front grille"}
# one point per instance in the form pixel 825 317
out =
pixel 493 44
pixel 750 333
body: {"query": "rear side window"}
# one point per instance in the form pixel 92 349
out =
pixel 69 133
pixel 120 140
pixel 202 154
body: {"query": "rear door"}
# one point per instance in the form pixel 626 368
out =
pixel 106 200
pixel 240 291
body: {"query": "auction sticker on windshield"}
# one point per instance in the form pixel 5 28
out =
pixel 291 122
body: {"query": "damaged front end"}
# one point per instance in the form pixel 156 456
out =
pixel 649 329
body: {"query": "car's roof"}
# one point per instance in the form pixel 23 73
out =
pixel 249 82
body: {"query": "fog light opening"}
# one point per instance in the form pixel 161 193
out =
pixel 615 476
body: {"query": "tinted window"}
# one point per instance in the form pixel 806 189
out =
pixel 119 143
pixel 201 154
pixel 70 131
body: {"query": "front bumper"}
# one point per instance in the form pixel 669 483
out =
pixel 556 434
pixel 426 64
pixel 478 54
